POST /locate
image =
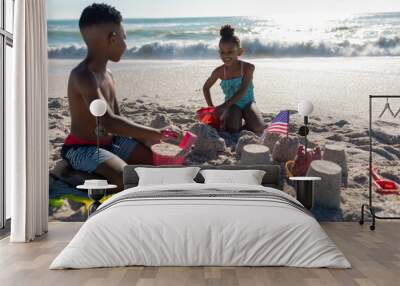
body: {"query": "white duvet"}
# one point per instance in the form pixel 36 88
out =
pixel 190 230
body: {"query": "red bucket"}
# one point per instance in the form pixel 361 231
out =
pixel 184 147
pixel 206 116
pixel 162 159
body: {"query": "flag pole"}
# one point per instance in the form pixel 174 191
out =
pixel 288 120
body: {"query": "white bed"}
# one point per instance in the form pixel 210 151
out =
pixel 221 225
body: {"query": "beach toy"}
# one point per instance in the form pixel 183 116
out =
pixel 187 141
pixel 288 168
pixel 170 154
pixel 206 116
pixel 167 154
pixel 387 185
pixel 384 186
pixel 303 160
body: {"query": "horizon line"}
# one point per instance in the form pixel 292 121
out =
pixel 161 18
pixel 226 16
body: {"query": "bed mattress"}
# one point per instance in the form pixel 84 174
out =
pixel 201 225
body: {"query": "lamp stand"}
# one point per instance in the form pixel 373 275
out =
pixel 97 138
pixel 305 136
pixel 96 195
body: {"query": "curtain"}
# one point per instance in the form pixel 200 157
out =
pixel 26 124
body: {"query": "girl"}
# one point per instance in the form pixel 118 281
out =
pixel 237 84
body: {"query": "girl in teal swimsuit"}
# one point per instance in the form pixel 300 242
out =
pixel 237 84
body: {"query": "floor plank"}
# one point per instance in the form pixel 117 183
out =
pixel 375 257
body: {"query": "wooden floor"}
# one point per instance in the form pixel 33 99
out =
pixel 375 257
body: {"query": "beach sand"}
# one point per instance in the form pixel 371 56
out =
pixel 338 87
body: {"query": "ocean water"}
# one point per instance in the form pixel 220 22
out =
pixel 376 34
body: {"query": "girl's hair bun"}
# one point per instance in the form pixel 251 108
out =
pixel 227 31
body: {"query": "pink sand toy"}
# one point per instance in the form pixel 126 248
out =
pixel 384 186
pixel 177 154
pixel 187 141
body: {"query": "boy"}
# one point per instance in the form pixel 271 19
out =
pixel 123 141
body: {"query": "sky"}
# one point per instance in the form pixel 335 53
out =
pixel 71 9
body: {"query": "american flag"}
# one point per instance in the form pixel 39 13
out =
pixel 280 124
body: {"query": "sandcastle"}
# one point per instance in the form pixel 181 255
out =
pixel 327 191
pixel 208 143
pixel 337 153
pixel 160 121
pixel 246 137
pixel 285 148
pixel 255 154
pixel 269 139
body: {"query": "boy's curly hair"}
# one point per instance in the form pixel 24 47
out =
pixel 227 33
pixel 99 14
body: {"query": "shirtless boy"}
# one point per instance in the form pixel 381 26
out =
pixel 123 142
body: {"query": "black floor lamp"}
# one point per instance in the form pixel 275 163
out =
pixel 305 108
pixel 97 189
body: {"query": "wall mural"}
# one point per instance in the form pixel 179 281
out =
pixel 226 90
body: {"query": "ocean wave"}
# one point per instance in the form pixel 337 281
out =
pixel 171 34
pixel 344 28
pixel 378 16
pixel 383 46
pixel 380 47
pixel 143 33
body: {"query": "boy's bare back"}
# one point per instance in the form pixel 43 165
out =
pixel 83 83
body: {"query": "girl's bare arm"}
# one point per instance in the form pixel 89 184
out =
pixel 208 84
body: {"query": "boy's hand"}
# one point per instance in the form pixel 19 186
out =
pixel 169 133
pixel 154 137
pixel 166 134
